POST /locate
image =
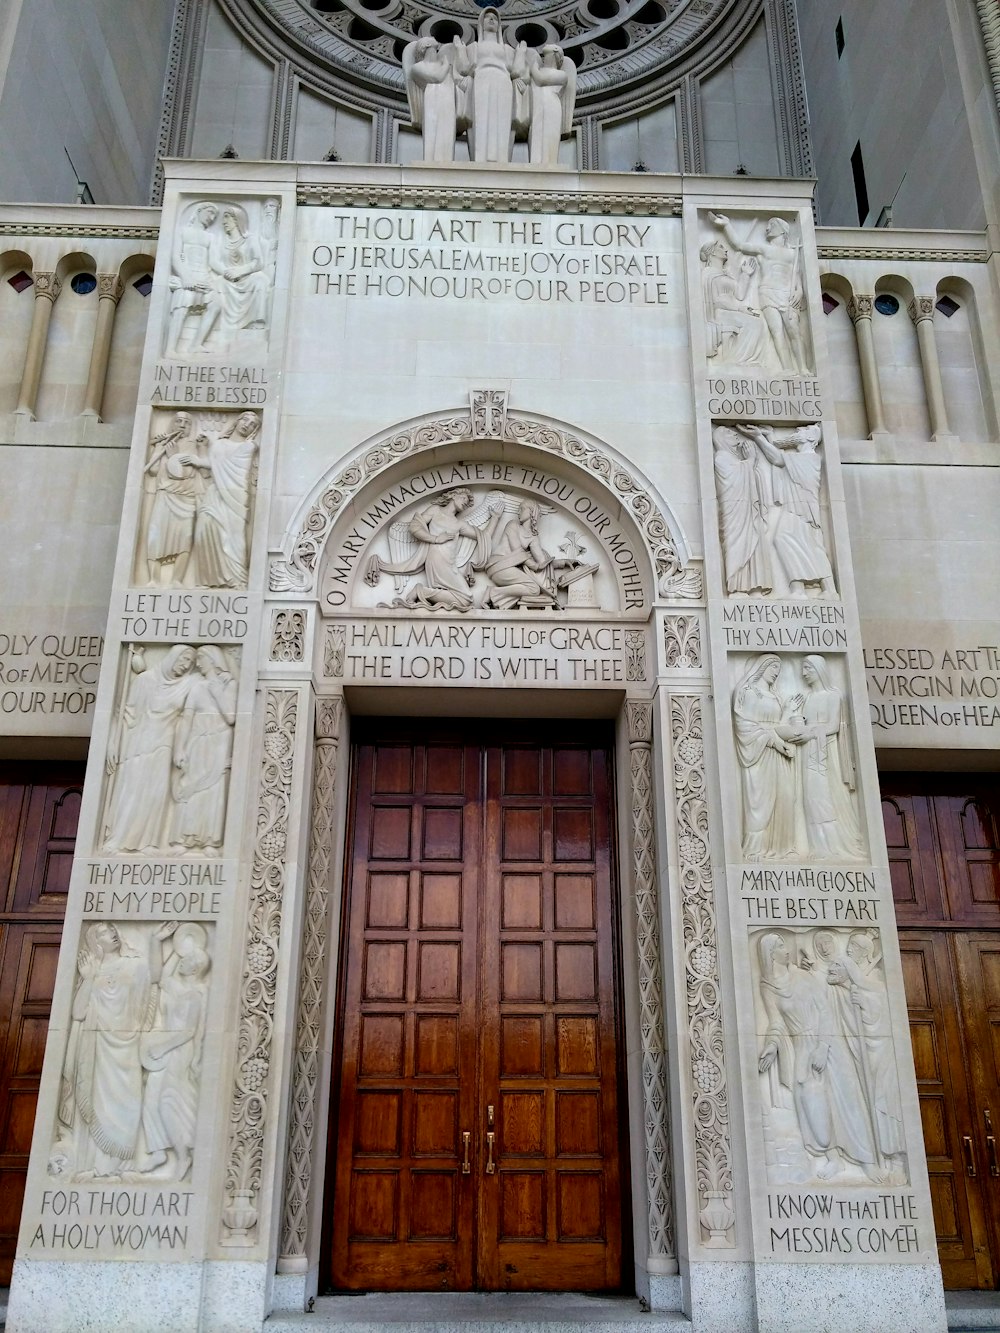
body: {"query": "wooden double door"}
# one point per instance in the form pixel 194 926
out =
pixel 943 836
pixel 478 1123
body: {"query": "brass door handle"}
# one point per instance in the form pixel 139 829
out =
pixel 490 1168
pixel 466 1138
pixel 970 1161
pixel 991 1143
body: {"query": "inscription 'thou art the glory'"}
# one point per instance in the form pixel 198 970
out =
pixel 490 259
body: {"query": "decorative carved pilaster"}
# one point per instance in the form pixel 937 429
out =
pixel 989 21
pixel 639 722
pixel 334 648
pixel 635 655
pixel 682 642
pixel 288 636
pixel 251 1089
pixel 305 1073
pixel 706 1039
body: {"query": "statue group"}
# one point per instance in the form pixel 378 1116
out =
pixel 827 1060
pixel 797 764
pixel 130 1082
pixel 754 300
pixel 768 483
pixel 491 92
pixel 454 538
pixel 200 486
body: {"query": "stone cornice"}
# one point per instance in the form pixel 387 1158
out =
pixel 949 247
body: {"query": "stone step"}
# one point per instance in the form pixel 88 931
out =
pixel 475 1312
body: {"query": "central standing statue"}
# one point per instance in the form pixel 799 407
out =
pixel 498 96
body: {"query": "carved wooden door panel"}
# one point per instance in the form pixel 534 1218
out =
pixel 39 808
pixel 477 1124
pixel 978 958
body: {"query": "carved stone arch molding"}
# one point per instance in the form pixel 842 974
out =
pixel 673 573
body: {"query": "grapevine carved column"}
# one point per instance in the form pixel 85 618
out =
pixel 639 721
pixel 293 1256
pixel 860 310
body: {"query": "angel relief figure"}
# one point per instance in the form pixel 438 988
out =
pixel 453 539
pixel 435 96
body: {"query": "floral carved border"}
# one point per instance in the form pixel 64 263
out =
pixel 639 722
pixel 251 1088
pixel 298 571
pixel 706 1036
pixel 305 1072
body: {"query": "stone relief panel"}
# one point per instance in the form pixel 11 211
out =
pixel 773 521
pixel 492 92
pixel 199 487
pixel 222 278
pixel 131 1079
pixel 288 636
pixel 756 317
pixel 170 751
pixel 472 548
pixel 796 756
pixel 829 1087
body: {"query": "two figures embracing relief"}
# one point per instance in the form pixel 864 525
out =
pixel 831 1092
pixel 491 92
pixel 130 1082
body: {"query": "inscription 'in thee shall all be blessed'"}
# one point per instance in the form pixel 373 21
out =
pixel 490 259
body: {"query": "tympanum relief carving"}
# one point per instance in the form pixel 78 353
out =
pixel 199 483
pixel 752 285
pixel 491 92
pixel 829 1088
pixel 131 1078
pixel 222 278
pixel 772 519
pixel 796 757
pixel 475 549
pixel 170 751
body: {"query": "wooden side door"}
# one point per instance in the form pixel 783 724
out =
pixel 39 809
pixel 550 1195
pixel 978 959
pixel 403 1216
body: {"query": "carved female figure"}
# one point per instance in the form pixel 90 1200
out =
pixel 736 334
pixel 518 566
pixel 204 754
pixel 430 88
pixel 171 1054
pixel 193 283
pixel 766 732
pixel 553 94
pixel 809 1062
pixel 245 287
pixel 742 520
pixel 827 763
pixel 111 1010
pixel 170 531
pixel 220 530
pixel 495 68
pixel 141 752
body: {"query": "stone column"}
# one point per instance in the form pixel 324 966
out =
pixel 661 1253
pixel 47 289
pixel 111 289
pixel 921 310
pixel 860 310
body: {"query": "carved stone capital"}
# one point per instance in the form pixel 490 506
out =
pixel 921 308
pixel 860 306
pixel 48 285
pixel 329 712
pixel 110 287
pixel 639 720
